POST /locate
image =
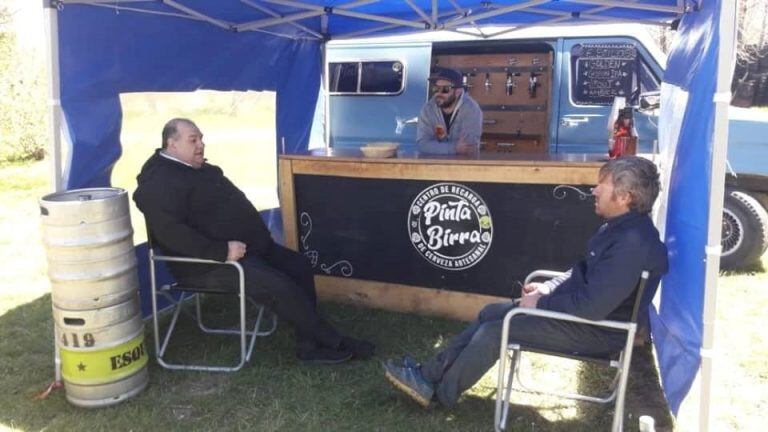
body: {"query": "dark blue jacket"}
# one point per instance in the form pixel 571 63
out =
pixel 602 285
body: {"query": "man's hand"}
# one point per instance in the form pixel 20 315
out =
pixel 465 147
pixel 530 300
pixel 236 250
pixel 531 287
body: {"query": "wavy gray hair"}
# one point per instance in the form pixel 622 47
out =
pixel 635 176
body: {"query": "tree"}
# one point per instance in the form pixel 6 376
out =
pixel 22 98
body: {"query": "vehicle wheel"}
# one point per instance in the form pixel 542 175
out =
pixel 745 230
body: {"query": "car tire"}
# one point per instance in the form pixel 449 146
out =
pixel 745 231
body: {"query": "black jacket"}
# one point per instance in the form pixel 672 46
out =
pixel 195 212
pixel 602 285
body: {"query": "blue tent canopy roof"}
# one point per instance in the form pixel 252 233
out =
pixel 334 19
pixel 109 47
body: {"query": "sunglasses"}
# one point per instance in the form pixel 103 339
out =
pixel 442 89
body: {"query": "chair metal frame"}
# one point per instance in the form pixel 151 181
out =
pixel 512 353
pixel 186 293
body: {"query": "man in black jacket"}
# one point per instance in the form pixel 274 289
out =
pixel 193 210
pixel 600 286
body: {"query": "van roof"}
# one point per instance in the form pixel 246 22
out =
pixel 588 29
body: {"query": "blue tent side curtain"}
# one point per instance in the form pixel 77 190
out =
pixel 105 48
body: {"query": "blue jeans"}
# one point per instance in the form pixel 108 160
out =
pixel 471 353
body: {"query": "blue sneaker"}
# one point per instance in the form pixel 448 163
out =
pixel 408 379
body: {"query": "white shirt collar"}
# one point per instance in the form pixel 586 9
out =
pixel 167 156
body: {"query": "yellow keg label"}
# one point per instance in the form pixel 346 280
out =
pixel 102 366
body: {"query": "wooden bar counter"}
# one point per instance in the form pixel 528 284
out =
pixel 435 235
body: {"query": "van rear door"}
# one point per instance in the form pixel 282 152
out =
pixel 372 87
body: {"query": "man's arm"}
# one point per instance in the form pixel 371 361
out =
pixel 165 210
pixel 470 124
pixel 549 286
pixel 611 281
pixel 425 134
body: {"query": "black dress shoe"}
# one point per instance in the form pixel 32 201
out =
pixel 324 356
pixel 361 349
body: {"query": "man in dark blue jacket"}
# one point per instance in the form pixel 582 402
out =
pixel 600 286
pixel 193 210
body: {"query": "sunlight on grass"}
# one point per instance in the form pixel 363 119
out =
pixel 740 376
pixel 21 250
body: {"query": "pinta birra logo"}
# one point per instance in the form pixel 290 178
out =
pixel 450 226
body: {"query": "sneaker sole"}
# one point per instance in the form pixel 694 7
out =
pixel 326 361
pixel 407 390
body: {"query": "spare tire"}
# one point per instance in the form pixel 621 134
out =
pixel 745 231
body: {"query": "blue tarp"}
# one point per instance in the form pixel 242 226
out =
pixel 677 328
pixel 110 49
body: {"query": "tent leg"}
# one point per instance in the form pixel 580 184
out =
pixel 54 110
pixel 722 100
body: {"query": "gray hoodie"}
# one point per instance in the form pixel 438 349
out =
pixel 467 123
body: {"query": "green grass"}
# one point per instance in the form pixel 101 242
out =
pixel 274 392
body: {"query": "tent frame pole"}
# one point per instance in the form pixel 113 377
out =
pixel 54 129
pixel 722 99
pixel 54 96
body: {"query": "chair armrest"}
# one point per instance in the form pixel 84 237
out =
pixel 191 260
pixel 545 274
pixel 566 317
pixel 234 264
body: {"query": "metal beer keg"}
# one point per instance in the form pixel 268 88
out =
pixel 89 244
pixel 103 355
pixel 94 288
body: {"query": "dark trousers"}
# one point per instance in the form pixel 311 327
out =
pixel 471 353
pixel 283 281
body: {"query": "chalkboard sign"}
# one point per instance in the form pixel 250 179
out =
pixel 599 72
pixel 471 237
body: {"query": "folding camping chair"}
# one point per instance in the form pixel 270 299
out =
pixel 512 352
pixel 186 293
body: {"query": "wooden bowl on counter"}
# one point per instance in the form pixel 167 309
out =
pixel 379 150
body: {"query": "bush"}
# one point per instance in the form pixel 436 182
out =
pixel 23 126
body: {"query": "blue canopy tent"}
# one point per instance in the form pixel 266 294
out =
pixel 102 48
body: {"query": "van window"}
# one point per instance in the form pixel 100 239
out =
pixel 599 72
pixel 648 80
pixel 343 77
pixel 372 77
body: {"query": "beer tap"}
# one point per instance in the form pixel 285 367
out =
pixel 465 81
pixel 533 83
pixel 510 83
pixel 487 82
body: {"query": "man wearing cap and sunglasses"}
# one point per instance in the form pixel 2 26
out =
pixel 450 122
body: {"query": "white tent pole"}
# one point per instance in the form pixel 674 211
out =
pixel 54 129
pixel 272 13
pixel 54 97
pixel 591 15
pixel 194 13
pixel 420 12
pixel 435 11
pixel 343 11
pixel 722 99
pixel 359 33
pixel 627 5
pixel 278 20
pixel 464 13
pixel 495 12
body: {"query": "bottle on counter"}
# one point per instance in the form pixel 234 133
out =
pixel 623 141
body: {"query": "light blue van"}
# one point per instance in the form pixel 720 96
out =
pixel 376 87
